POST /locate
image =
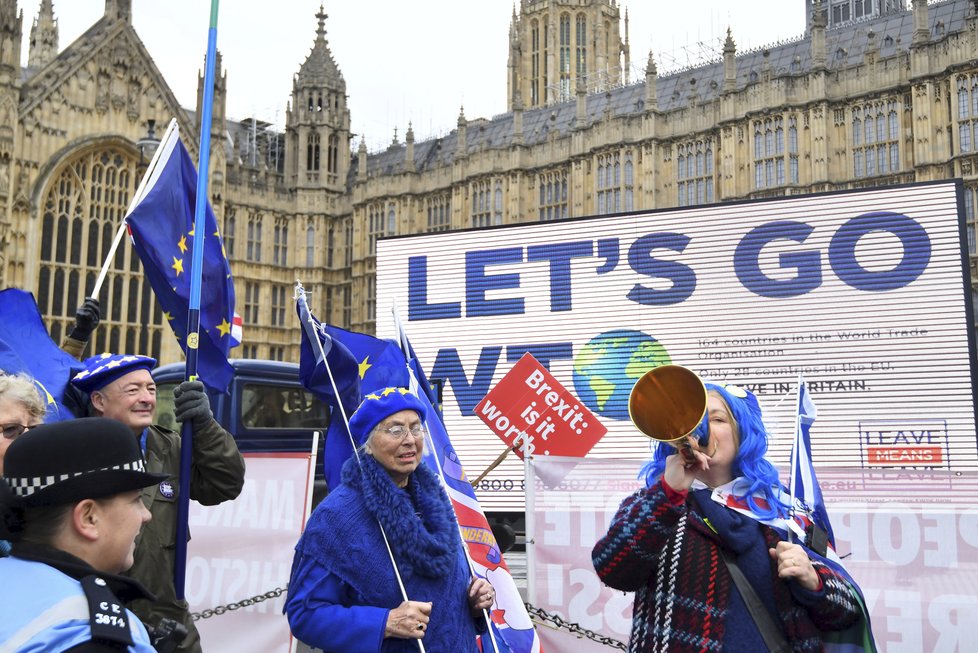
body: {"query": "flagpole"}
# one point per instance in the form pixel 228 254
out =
pixel 300 295
pixel 794 454
pixel 402 339
pixel 193 314
pixel 138 195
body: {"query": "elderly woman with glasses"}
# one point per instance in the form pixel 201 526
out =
pixel 344 594
pixel 21 409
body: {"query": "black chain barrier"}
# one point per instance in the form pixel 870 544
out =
pixel 543 618
pixel 555 621
pixel 243 603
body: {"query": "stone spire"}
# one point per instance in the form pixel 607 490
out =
pixel 118 10
pixel 44 37
pixel 651 77
pixel 409 149
pixel 729 63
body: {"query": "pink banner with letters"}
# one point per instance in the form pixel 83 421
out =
pixel 908 537
pixel 243 548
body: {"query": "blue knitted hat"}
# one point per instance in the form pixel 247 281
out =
pixel 106 368
pixel 379 405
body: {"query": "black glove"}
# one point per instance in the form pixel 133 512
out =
pixel 86 319
pixel 190 402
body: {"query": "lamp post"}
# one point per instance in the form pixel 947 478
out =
pixel 147 148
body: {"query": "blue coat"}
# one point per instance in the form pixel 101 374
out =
pixel 343 585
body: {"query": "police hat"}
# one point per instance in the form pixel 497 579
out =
pixel 64 462
pixel 103 369
pixel 380 404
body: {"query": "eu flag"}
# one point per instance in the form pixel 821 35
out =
pixel 357 363
pixel 25 346
pixel 162 229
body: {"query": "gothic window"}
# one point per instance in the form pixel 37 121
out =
pixel 841 11
pixel 330 244
pixel 254 238
pixel 310 246
pixel 333 157
pixel 347 306
pixel 565 57
pixel 229 235
pixel 371 298
pixel 312 153
pixel 553 195
pixel 968 112
pixel 82 209
pixel 481 192
pixel 770 151
pixel 609 186
pixel 278 305
pixel 497 211
pixel 534 63
pixel 376 227
pixel 439 209
pixel 251 303
pixel 694 172
pixel 875 139
pixel 348 242
pixel 581 46
pixel 280 244
pixel 391 219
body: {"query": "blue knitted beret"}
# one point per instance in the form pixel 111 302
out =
pixel 380 404
pixel 106 368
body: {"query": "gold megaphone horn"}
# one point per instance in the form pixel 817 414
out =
pixel 667 404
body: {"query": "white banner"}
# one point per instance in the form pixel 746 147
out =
pixel 243 548
pixel 908 537
pixel 865 293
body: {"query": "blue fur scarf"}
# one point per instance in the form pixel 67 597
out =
pixel 344 537
pixel 418 519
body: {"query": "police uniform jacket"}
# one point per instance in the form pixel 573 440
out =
pixel 217 475
pixel 56 602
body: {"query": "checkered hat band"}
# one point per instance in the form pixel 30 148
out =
pixel 24 487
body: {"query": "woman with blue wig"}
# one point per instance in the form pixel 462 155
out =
pixel 706 548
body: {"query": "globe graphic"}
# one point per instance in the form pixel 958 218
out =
pixel 607 367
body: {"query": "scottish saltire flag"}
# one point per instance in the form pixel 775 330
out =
pixel 25 346
pixel 359 364
pixel 161 226
pixel 512 628
pixel 803 483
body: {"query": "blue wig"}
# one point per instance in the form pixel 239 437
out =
pixel 749 462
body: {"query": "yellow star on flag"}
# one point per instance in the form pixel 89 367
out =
pixel 372 396
pixel 182 244
pixel 364 366
pixel 224 327
pixel 177 265
pixel 167 316
pixel 388 391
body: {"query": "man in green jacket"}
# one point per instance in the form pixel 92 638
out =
pixel 121 387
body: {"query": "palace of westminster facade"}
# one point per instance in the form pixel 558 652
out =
pixel 876 92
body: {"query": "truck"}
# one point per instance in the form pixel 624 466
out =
pixel 865 294
pixel 266 409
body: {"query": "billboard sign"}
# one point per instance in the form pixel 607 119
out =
pixel 865 293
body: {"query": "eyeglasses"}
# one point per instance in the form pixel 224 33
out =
pixel 399 431
pixel 11 431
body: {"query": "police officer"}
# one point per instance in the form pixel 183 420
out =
pixel 121 387
pixel 70 502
